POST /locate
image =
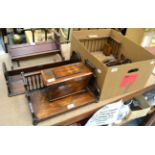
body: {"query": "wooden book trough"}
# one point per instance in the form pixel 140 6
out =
pixel 68 91
pixel 23 51
pixel 13 78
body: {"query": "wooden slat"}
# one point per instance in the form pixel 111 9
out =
pixel 28 83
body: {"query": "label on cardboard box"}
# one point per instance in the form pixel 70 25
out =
pixel 128 80
pixel 114 69
pixel 99 71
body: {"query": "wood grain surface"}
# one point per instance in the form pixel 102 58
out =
pixel 68 88
pixel 27 50
pixel 79 70
pixel 44 109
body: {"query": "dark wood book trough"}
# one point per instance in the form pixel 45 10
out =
pixel 24 51
pixel 13 78
pixel 67 91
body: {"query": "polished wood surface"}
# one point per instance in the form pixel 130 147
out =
pixel 44 109
pixel 79 70
pixel 66 71
pixel 68 88
pixel 28 50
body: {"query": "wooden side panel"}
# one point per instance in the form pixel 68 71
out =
pixel 68 88
pixel 16 85
pixel 19 51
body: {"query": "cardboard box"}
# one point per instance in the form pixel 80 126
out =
pixel 134 114
pixel 144 105
pixel 135 34
pixel 120 79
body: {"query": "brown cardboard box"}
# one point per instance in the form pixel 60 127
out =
pixel 120 79
pixel 135 34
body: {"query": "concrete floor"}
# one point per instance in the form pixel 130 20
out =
pixel 14 111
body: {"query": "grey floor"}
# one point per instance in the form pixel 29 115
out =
pixel 14 110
